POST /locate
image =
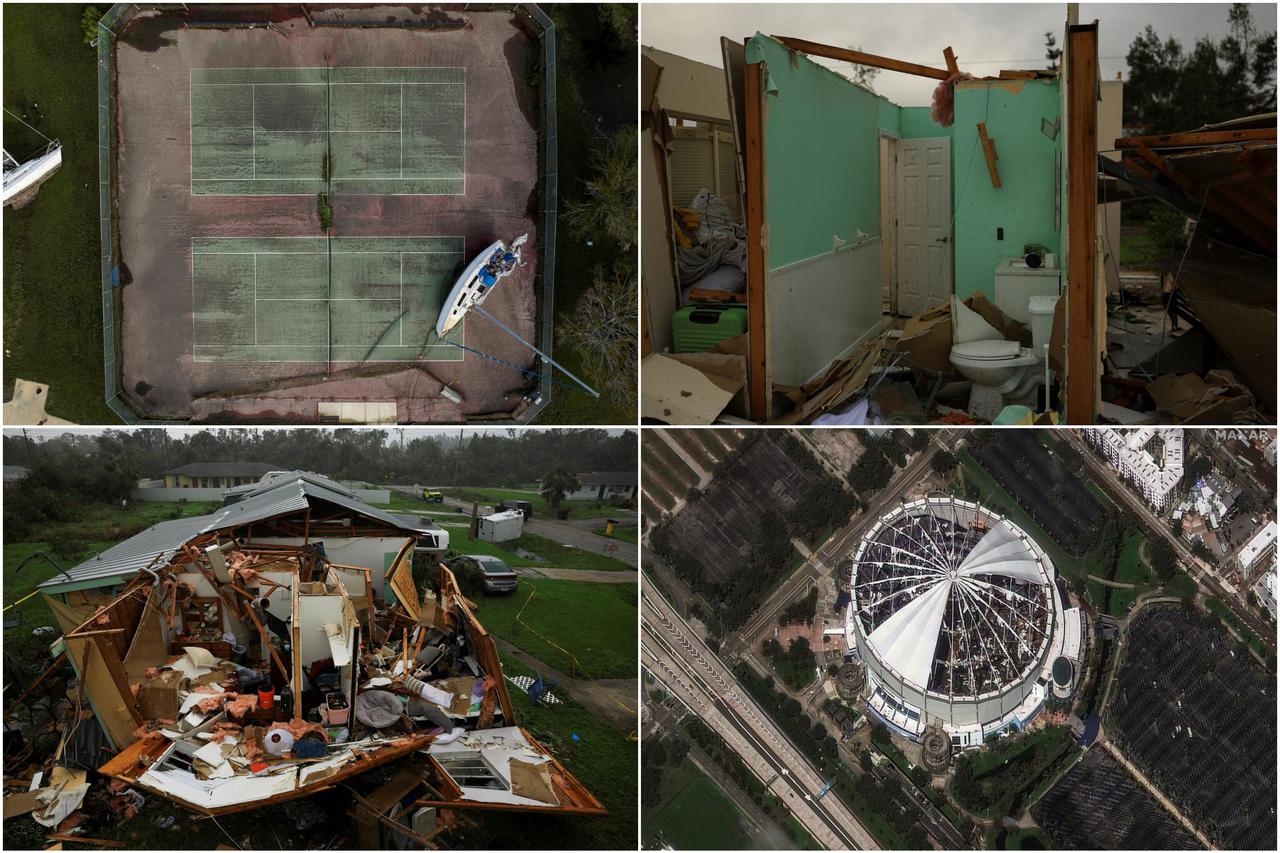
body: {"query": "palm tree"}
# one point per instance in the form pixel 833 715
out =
pixel 556 485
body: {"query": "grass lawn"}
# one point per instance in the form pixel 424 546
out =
pixel 110 523
pixel 1129 569
pixel 694 814
pixel 554 555
pixel 52 285
pixel 603 758
pixel 541 509
pixel 596 622
pixel 622 534
pixel 1138 250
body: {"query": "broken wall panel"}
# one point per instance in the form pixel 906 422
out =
pixel 822 210
pixel 1023 205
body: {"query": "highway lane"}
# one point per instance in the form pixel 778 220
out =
pixel 674 653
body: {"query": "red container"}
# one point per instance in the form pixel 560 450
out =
pixel 266 699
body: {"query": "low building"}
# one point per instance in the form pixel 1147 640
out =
pixel 500 526
pixel 216 475
pixel 14 474
pixel 605 487
pixel 1262 542
pixel 1265 589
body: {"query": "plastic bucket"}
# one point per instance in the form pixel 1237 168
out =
pixel 266 699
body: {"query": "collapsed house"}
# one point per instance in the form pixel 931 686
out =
pixel 274 649
pixel 810 245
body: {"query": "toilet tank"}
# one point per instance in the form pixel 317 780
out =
pixel 1016 283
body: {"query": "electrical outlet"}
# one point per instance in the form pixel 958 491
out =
pixel 999 233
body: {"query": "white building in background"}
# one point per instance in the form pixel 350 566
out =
pixel 1262 542
pixel 1150 458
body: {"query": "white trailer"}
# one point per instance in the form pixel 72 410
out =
pixel 500 526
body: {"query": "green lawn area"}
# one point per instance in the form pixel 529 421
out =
pixel 554 554
pixel 1181 585
pixel 52 283
pixel 596 622
pixel 1129 569
pixel 622 534
pixel 1138 250
pixel 695 814
pixel 108 522
pixel 541 509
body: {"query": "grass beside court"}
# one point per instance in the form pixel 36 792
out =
pixel 52 277
pixel 694 814
pixel 595 622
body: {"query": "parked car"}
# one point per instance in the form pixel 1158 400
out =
pixel 498 577
pixel 523 507
pixel 433 496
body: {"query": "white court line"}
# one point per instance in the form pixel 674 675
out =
pixel 329 299
pixel 459 83
pixel 384 252
pixel 402 131
pixel 253 121
pixel 401 320
pixel 255 300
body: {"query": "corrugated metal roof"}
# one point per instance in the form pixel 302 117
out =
pixel 289 477
pixel 167 538
pixel 126 558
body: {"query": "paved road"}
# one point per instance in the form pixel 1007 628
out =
pixel 1156 525
pixel 674 654
pixel 564 532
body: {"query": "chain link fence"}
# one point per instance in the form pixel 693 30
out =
pixel 114 21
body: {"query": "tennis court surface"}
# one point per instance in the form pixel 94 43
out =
pixel 301 131
pixel 300 299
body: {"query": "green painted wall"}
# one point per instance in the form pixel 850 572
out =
pixel 917 123
pixel 822 154
pixel 1023 205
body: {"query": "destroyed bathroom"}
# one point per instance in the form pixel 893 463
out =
pixel 295 639
pixel 1044 242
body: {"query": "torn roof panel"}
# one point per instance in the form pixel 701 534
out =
pixel 159 544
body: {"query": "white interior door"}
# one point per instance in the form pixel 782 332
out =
pixel 923 238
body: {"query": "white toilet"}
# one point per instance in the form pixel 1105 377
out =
pixel 1003 372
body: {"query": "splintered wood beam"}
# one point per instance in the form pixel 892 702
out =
pixel 1234 207
pixel 949 55
pixel 1083 386
pixel 759 387
pixel 1193 138
pixel 989 149
pixel 860 58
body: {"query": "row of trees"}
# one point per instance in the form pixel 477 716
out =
pixel 477 458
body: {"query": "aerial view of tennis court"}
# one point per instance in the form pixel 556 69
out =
pixel 295 193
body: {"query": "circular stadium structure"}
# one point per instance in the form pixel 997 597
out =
pixel 955 612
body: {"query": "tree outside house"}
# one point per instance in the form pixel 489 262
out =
pixel 557 485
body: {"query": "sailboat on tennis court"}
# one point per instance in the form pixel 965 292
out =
pixel 473 286
pixel 480 276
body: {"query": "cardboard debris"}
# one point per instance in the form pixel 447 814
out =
pixel 16 805
pixel 1011 329
pixel 840 381
pixel 690 388
pixel 1216 399
pixel 533 781
pixel 926 340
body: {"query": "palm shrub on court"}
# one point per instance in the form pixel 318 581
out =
pixel 324 211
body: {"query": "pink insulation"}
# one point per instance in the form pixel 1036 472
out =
pixel 944 99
